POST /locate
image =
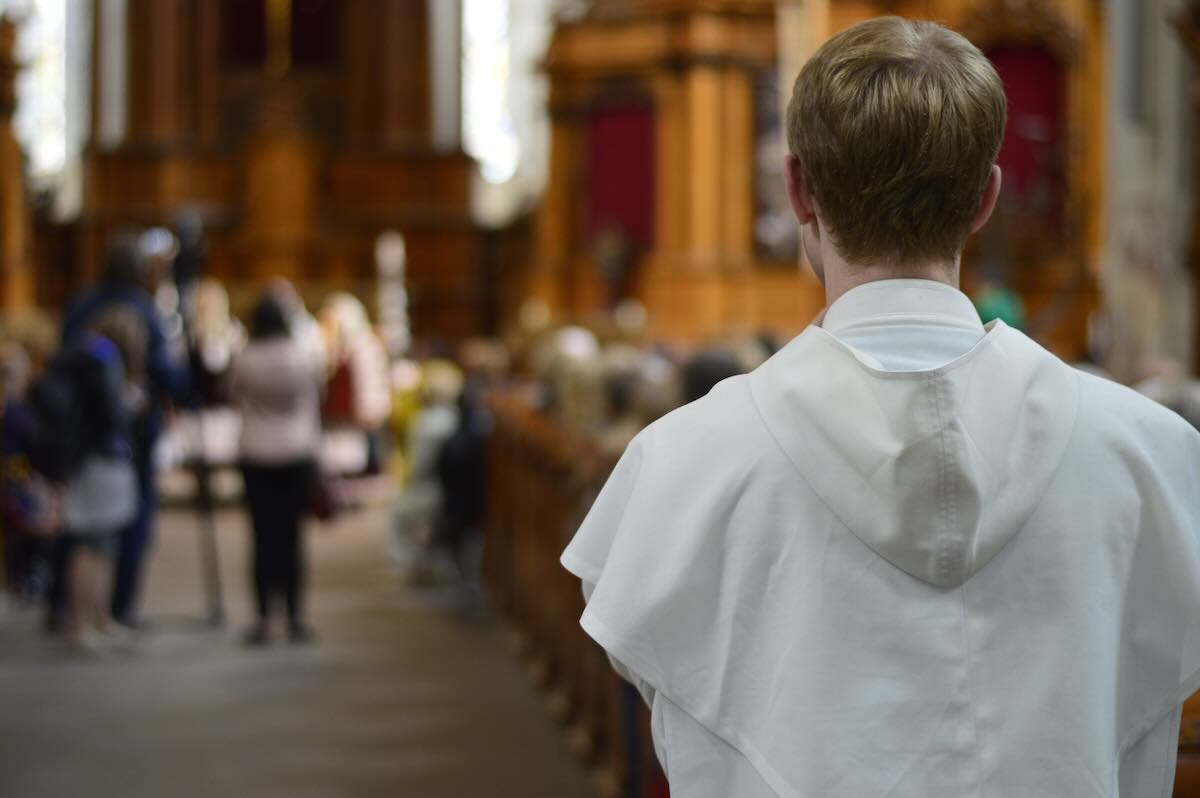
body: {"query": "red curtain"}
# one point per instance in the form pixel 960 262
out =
pixel 245 33
pixel 1034 80
pixel 315 32
pixel 621 172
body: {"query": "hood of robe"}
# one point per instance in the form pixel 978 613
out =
pixel 936 471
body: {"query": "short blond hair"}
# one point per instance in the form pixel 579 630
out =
pixel 896 124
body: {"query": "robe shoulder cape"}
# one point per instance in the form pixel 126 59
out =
pixel 982 580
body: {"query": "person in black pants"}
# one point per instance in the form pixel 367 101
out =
pixel 275 383
pixel 277 496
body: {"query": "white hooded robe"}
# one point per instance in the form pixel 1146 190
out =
pixel 834 580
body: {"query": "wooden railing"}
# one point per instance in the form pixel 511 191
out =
pixel 1187 772
pixel 542 479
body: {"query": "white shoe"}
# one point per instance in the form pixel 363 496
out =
pixel 119 639
pixel 90 644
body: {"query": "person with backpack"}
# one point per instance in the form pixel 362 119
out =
pixel 91 455
pixel 126 284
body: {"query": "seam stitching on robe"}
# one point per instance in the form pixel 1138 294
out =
pixel 972 707
pixel 943 559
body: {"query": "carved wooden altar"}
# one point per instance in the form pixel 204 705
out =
pixel 299 139
pixel 695 68
pixel 661 95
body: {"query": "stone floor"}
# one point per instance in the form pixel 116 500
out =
pixel 408 693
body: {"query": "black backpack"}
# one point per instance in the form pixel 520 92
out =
pixel 77 407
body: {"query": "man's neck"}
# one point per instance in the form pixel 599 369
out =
pixel 844 278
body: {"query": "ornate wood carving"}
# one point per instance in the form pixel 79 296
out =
pixel 695 62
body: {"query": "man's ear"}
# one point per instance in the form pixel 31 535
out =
pixel 991 193
pixel 799 194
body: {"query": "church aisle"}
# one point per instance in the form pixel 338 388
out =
pixel 403 696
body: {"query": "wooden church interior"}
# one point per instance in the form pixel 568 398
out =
pixel 300 131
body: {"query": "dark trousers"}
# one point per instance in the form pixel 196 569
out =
pixel 278 496
pixel 131 553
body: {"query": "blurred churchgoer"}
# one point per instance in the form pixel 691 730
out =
pixel 573 378
pixel 28 504
pixel 128 282
pixel 94 454
pixel 207 433
pixel 462 474
pixel 418 509
pixel 705 369
pixel 621 366
pixel 276 384
pixel 304 325
pixel 217 337
pixel 358 400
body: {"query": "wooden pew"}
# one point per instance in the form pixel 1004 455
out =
pixel 542 479
pixel 1187 771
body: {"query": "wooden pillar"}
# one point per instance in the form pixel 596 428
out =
pixel 16 277
pixel 554 225
pixel 206 16
pixel 705 125
pixel 671 157
pixel 1188 26
pixel 404 76
pixel 360 36
pixel 386 74
pixel 159 39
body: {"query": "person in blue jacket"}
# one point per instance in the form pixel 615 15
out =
pixel 126 283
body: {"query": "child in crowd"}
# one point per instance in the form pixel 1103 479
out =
pixel 100 494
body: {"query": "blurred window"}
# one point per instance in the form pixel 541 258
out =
pixel 489 134
pixel 41 114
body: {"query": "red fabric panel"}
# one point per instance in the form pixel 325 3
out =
pixel 245 32
pixel 621 171
pixel 1034 81
pixel 339 396
pixel 315 33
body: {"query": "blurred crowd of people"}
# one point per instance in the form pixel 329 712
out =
pixel 152 369
pixel 603 383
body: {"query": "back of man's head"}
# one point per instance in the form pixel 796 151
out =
pixel 125 265
pixel 896 125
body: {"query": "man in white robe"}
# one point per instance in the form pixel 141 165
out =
pixel 910 555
